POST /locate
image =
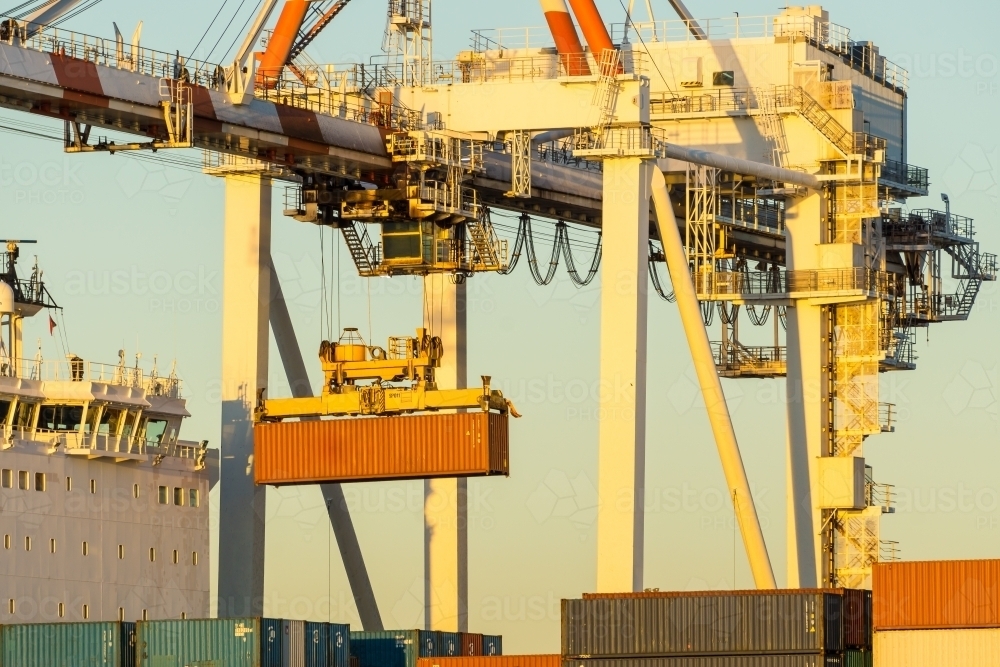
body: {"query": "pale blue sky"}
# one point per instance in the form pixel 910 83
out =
pixel 99 214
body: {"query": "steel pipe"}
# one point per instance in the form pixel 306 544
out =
pixel 711 386
pixel 741 166
pixel 292 16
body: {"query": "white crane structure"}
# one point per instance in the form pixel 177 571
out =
pixel 775 193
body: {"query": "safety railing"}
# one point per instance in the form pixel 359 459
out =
pixel 750 358
pixel 79 370
pixel 905 174
pixel 496 39
pixel 889 551
pixel 448 199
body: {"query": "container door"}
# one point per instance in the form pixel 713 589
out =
pixel 294 644
pixel 340 645
pixel 270 643
pixel 317 645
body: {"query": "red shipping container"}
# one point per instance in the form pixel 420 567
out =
pixel 472 643
pixel 494 661
pixel 471 444
pixel 936 595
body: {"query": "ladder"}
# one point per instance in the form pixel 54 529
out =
pixel 769 123
pixel 363 252
pixel 606 92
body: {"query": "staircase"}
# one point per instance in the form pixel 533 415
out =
pixel 818 117
pixel 364 253
pixel 489 251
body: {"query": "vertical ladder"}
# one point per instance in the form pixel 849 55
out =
pixel 606 92
pixel 769 123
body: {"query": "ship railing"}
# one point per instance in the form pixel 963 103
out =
pixel 76 369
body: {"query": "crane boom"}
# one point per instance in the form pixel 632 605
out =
pixel 47 14
pixel 294 31
pixel 310 34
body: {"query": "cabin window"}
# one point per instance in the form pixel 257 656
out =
pixel 52 546
pixel 24 415
pixel 27 543
pixel 61 417
pixel 152 555
pixel 7 478
pixel 178 496
pixel 130 420
pixel 161 495
pixel 195 500
pixel 93 414
pixel 177 557
pixel 39 481
pixel 86 549
pixel 22 480
pixel 145 615
pixel 62 610
pixel 111 421
pixel 194 557
pixel 155 428
pixel 6 541
pixel 93 486
pixel 86 612
pixel 4 410
pixel 723 79
pixel 121 614
pixel 10 606
pixel 135 490
pixel 69 483
pixel 121 552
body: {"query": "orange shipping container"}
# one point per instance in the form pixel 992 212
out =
pixel 379 448
pixel 494 661
pixel 930 595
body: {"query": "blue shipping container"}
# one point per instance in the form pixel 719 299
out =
pixel 340 645
pixel 233 642
pixel 392 648
pixel 449 644
pixel 70 644
pixel 318 653
pixel 492 645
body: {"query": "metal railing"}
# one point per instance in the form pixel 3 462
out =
pixel 79 370
pixel 880 495
pixel 497 39
pixel 749 358
pixel 906 174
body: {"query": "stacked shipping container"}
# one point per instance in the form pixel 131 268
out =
pixel 52 644
pixel 783 628
pixel 937 613
pixel 404 648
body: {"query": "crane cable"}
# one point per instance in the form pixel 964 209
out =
pixel 205 34
pixel 561 247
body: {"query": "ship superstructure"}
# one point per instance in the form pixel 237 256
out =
pixel 104 510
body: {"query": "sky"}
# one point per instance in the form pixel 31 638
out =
pixel 132 249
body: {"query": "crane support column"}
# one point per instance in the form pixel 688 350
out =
pixel 333 494
pixel 711 387
pixel 622 405
pixel 446 543
pixel 806 392
pixel 246 304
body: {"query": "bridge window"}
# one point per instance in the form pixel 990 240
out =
pixel 61 417
pixel 39 481
pixel 194 497
pixel 130 420
pixel 4 410
pixel 155 428
pixel 7 478
pixel 22 480
pixel 401 240
pixel 723 79
pixel 111 421
pixel 161 495
pixel 178 496
pixel 24 415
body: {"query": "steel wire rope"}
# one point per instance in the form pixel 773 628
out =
pixel 11 12
pixel 628 19
pixel 729 316
pixel 242 30
pixel 323 335
pixel 226 29
pixel 529 245
pixel 707 312
pixel 518 247
pixel 79 10
pixel 209 28
pixel 654 276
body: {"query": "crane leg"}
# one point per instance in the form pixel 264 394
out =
pixel 711 387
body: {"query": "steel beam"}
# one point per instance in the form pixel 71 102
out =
pixel 245 305
pixel 333 494
pixel 622 405
pixel 446 543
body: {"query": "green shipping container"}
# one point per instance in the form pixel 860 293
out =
pixel 858 659
pixel 223 642
pixel 68 645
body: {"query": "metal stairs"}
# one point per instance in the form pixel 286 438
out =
pixel 821 119
pixel 489 251
pixel 363 251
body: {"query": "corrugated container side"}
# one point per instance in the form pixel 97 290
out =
pixel 293 644
pixel 857 619
pixel 680 625
pixel 398 447
pixel 705 594
pixel 57 644
pixel 492 645
pixel 233 642
pixel 318 652
pixel 493 661
pixel 128 644
pixel 800 660
pixel 978 647
pixel 340 645
pixel 392 648
pixel 472 644
pixel 449 644
pixel 854 658
pixel 936 594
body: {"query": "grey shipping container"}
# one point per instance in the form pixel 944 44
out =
pixel 393 648
pixel 293 643
pixel 71 644
pixel 695 625
pixel 798 660
pixel 492 645
pixel 233 642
